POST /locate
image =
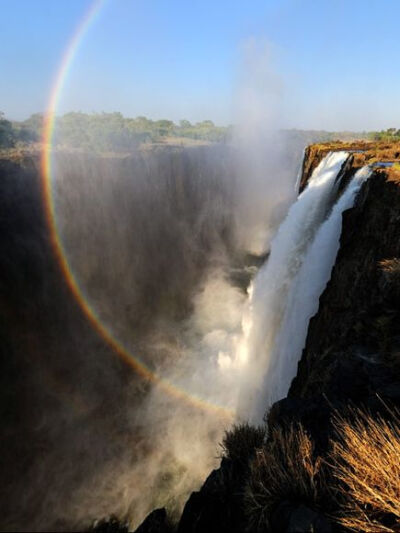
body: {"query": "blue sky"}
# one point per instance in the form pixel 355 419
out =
pixel 335 61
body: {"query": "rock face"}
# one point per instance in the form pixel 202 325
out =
pixel 363 153
pixel 217 506
pixel 351 357
pixel 156 522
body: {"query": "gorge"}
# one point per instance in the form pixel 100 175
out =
pixel 349 361
pixel 101 439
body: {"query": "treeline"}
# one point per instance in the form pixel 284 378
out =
pixel 12 133
pixel 313 136
pixel 104 132
pixel 112 132
pixel 391 134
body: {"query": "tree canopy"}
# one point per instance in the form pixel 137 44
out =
pixel 391 134
pixel 104 132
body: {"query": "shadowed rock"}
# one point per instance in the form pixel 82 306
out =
pixel 156 522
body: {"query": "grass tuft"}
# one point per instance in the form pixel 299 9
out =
pixel 366 461
pixel 284 469
pixel 241 442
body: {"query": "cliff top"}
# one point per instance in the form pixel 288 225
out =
pixel 382 154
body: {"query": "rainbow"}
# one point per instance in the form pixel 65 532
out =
pixel 56 241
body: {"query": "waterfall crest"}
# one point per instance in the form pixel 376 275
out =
pixel 274 284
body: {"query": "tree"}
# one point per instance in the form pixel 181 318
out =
pixel 7 133
pixel 35 124
pixel 184 124
pixel 164 127
pixel 206 124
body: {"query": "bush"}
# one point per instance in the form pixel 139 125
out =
pixel 7 133
pixel 366 461
pixel 284 469
pixel 241 442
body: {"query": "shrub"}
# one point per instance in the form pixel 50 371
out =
pixel 7 133
pixel 284 469
pixel 366 461
pixel 240 443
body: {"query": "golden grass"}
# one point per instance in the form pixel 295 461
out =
pixel 284 469
pixel 361 474
pixel 391 266
pixel 366 461
pixel 391 271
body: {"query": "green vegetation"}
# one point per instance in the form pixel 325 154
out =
pixel 13 133
pixel 108 132
pixel 112 132
pixel 391 134
pixel 7 135
pixel 322 136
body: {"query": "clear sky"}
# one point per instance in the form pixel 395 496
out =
pixel 334 63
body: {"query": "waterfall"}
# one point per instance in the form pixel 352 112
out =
pixel 303 299
pixel 274 284
pixel 299 173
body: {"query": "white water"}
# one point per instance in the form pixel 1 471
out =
pixel 303 299
pixel 299 173
pixel 273 286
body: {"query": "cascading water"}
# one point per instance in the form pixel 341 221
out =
pixel 275 285
pixel 303 298
pixel 299 173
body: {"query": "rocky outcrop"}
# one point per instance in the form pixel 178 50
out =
pixel 156 522
pixel 363 153
pixel 218 506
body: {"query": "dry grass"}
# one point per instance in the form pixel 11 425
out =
pixel 284 469
pixel 391 268
pixel 358 485
pixel 366 461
